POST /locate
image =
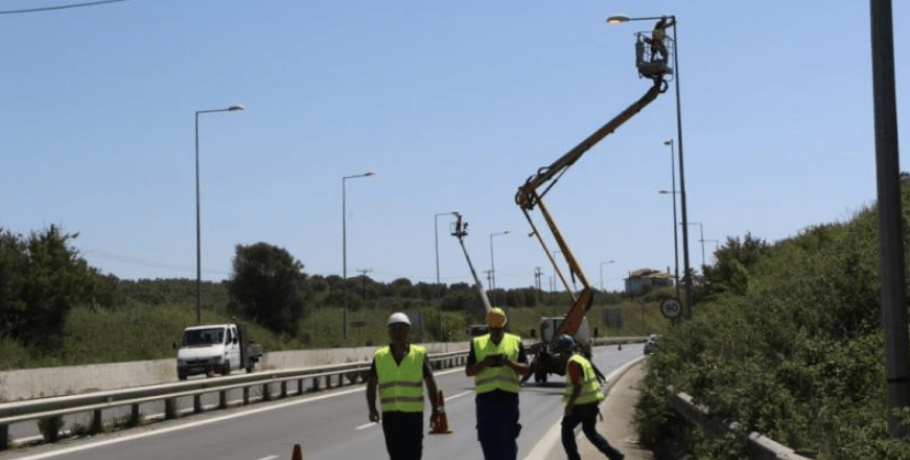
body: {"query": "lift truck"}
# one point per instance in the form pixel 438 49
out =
pixel 530 195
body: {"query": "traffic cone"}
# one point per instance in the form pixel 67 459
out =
pixel 297 455
pixel 440 424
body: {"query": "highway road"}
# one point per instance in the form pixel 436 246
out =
pixel 328 425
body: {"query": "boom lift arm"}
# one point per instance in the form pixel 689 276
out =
pixel 528 197
pixel 461 231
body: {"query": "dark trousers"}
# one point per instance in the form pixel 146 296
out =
pixel 403 434
pixel 586 415
pixel 498 427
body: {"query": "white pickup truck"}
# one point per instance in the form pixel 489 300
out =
pixel 215 348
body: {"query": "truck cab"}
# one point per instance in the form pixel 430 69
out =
pixel 215 348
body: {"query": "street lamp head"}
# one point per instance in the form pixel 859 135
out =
pixel 236 108
pixel 369 173
pixel 618 19
pixel 668 142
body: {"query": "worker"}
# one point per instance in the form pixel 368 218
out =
pixel 657 39
pixel 399 371
pixel 496 361
pixel 581 398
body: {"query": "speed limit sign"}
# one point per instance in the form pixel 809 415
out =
pixel 671 308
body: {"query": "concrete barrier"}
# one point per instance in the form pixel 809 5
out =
pixel 25 384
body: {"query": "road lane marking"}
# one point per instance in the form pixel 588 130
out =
pixel 366 425
pixel 270 457
pixel 459 394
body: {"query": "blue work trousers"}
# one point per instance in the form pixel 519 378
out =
pixel 498 428
pixel 586 415
pixel 403 434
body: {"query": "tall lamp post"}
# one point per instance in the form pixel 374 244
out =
pixel 492 266
pixel 438 283
pixel 602 275
pixel 619 19
pixel 673 193
pixel 233 108
pixel 344 249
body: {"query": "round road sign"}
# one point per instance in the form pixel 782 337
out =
pixel 671 308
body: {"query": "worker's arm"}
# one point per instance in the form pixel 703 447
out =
pixel 432 389
pixel 521 367
pixel 371 393
pixel 575 374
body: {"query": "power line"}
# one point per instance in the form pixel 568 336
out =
pixel 61 7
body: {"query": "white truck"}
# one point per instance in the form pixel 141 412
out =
pixel 215 348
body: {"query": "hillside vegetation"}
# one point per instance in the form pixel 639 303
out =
pixel 55 310
pixel 787 340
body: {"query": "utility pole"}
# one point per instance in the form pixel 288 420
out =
pixel 537 275
pixel 363 274
pixel 891 242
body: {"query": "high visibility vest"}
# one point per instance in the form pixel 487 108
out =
pixel 590 388
pixel 658 35
pixel 496 378
pixel 400 386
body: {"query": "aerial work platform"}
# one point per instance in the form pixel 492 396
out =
pixel 653 60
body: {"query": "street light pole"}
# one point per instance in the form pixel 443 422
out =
pixel 233 108
pixel 492 265
pixel 602 275
pixel 438 282
pixel 673 192
pixel 344 250
pixel 618 19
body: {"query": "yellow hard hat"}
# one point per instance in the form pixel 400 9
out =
pixel 496 317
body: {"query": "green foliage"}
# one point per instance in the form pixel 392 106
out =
pixel 267 285
pixel 50 427
pixel 788 343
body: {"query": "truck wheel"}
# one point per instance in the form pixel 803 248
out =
pixel 181 376
pixel 540 376
pixel 226 369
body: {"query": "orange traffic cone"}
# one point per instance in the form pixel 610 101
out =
pixel 440 424
pixel 297 455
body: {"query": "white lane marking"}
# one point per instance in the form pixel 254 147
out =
pixel 183 427
pixel 270 457
pixel 366 425
pixel 459 395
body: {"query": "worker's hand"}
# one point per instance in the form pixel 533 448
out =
pixel 374 415
pixel 434 414
pixel 568 410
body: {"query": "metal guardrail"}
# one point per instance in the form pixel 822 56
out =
pixel 24 411
pixel 760 447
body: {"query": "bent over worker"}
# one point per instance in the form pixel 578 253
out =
pixel 581 398
pixel 496 361
pixel 400 371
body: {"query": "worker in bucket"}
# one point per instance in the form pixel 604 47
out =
pixel 497 361
pixel 400 371
pixel 582 398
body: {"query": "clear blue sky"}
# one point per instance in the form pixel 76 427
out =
pixel 452 104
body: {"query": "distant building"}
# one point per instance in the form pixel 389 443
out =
pixel 647 277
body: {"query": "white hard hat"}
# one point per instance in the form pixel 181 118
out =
pixel 397 318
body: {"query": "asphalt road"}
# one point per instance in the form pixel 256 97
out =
pixel 328 425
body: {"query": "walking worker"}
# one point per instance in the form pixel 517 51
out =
pixel 582 397
pixel 497 361
pixel 400 371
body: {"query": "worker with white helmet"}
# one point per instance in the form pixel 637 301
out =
pixel 399 371
pixel 582 397
pixel 497 361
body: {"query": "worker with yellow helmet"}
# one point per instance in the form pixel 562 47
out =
pixel 497 361
pixel 399 371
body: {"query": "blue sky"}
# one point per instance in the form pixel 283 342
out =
pixel 452 104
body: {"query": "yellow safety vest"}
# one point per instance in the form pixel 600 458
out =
pixel 400 386
pixel 496 378
pixel 590 388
